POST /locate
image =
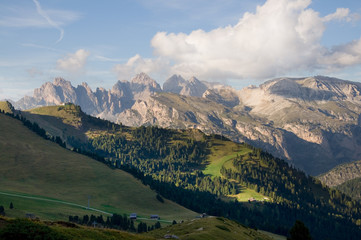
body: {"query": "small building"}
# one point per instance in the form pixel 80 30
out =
pixel 133 216
pixel 154 217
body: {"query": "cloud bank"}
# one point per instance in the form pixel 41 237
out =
pixel 74 62
pixel 280 37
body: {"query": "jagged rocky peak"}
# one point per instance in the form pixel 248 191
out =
pixel 194 80
pixel 192 87
pixel 143 79
pixel 85 85
pixel 59 81
pixel 120 88
pixel 174 84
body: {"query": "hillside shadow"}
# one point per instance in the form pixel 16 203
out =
pixel 56 127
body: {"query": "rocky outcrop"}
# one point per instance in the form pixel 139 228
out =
pixel 177 84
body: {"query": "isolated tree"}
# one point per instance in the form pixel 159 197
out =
pixel 299 232
pixel 132 228
pixel 2 210
pixel 11 205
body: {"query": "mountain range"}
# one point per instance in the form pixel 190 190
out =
pixel 313 122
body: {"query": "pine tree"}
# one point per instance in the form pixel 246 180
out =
pixel 299 232
pixel 2 210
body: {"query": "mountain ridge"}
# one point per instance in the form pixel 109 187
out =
pixel 313 122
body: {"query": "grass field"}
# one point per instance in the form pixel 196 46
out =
pixel 208 229
pixel 222 154
pixel 43 209
pixel 273 236
pixel 32 165
pixel 6 107
pixel 60 230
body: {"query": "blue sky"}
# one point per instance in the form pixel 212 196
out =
pixel 239 42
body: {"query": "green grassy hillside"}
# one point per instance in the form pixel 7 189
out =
pixel 70 122
pixel 209 229
pixel 198 229
pixel 6 107
pixel 32 165
pixel 25 229
pixel 202 171
pixel 65 121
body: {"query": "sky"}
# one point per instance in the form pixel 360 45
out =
pixel 236 42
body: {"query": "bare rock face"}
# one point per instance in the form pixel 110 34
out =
pixel 193 87
pixel 226 96
pixel 99 103
pixel 313 122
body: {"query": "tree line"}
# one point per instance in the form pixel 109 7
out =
pixel 116 221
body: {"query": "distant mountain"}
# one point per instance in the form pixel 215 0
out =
pixel 314 122
pixel 346 178
pixel 341 174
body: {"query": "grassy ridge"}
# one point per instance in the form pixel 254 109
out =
pixel 69 120
pixel 26 229
pixel 43 168
pixel 6 107
pixel 198 229
pixel 209 229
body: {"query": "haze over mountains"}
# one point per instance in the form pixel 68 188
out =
pixel 313 122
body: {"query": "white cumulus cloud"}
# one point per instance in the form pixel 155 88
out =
pixel 280 37
pixel 344 55
pixel 73 62
pixel 340 14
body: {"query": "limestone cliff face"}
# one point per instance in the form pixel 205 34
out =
pixel 313 122
pixel 101 102
pixel 177 84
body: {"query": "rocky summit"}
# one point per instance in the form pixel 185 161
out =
pixel 313 122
